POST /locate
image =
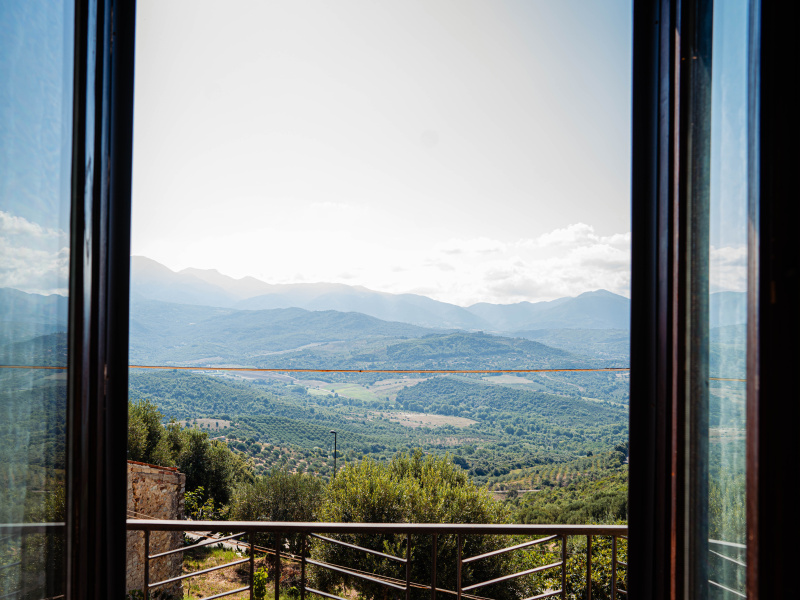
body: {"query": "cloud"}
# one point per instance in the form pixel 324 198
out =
pixel 33 258
pixel 564 262
pixel 728 268
pixel 19 227
pixel 572 234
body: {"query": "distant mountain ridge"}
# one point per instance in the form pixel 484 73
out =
pixel 599 309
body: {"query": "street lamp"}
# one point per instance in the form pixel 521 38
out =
pixel 334 453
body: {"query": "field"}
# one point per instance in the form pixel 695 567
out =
pixel 507 378
pixel 413 419
pixel 380 390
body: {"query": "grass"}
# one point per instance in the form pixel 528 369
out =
pixel 234 577
pixel 215 582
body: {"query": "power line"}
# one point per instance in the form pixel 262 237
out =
pixel 278 370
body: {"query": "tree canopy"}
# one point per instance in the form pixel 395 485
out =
pixel 415 488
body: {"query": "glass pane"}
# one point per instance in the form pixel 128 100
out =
pixel 727 301
pixel 36 41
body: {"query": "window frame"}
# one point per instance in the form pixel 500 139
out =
pixel 659 467
pixel 666 558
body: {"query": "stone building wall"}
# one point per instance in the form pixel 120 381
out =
pixel 155 493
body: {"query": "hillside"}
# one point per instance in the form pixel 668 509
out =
pixel 506 428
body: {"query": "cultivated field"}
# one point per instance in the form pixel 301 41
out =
pixel 413 419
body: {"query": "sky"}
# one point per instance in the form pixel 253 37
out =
pixel 35 144
pixel 466 150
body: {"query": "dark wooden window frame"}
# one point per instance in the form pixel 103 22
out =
pixel 97 407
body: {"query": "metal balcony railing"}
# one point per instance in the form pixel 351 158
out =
pixel 553 536
pixel 731 568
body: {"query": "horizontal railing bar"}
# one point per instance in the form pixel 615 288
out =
pixel 619 591
pixel 223 594
pixel 375 552
pixel 9 594
pixel 354 574
pixel 205 543
pixel 622 563
pixel 423 528
pixel 25 528
pixel 325 594
pixel 217 568
pixel 729 544
pixel 728 558
pixel 509 549
pixel 512 576
pixel 8 566
pixel 545 595
pixel 727 589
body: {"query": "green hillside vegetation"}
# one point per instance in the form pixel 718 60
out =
pixel 513 428
pixel 602 500
pixel 49 350
pixel 32 402
pixel 609 344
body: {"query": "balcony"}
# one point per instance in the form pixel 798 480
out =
pixel 557 556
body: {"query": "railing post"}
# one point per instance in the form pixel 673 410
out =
pixel 146 590
pixel 434 552
pixel 252 561
pixel 588 567
pixel 408 567
pixel 303 567
pixel 564 567
pixel 458 565
pixel 613 567
pixel 277 565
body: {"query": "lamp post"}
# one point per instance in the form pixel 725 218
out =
pixel 334 454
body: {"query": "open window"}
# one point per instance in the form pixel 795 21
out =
pixel 676 391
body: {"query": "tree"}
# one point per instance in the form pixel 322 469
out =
pixel 212 465
pixel 411 488
pixel 207 464
pixel 146 440
pixel 278 496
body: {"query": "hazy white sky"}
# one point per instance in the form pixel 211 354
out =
pixel 467 150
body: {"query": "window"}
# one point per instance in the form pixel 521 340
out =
pixel 668 532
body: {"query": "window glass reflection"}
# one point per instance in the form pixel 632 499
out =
pixel 727 306
pixel 35 159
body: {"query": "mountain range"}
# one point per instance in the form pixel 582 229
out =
pixel 592 310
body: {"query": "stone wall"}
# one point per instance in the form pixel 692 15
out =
pixel 155 493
